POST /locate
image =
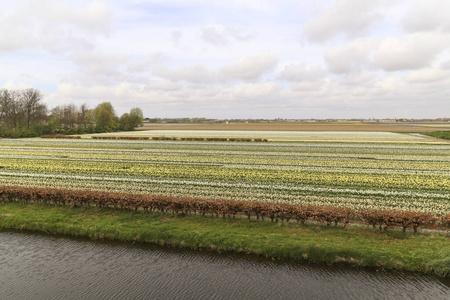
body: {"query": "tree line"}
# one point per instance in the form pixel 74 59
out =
pixel 24 114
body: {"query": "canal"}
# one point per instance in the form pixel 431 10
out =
pixel 37 266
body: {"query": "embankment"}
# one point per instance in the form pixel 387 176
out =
pixel 315 243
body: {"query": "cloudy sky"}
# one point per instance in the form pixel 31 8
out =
pixel 234 58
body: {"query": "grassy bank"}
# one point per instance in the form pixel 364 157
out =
pixel 357 246
pixel 439 134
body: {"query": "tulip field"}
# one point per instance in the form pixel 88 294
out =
pixel 362 170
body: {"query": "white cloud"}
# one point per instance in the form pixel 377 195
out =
pixel 145 64
pixel 211 35
pixel 349 17
pixel 265 6
pixel 95 16
pixel 427 75
pixel 12 85
pixel 428 15
pixel 385 86
pixel 190 73
pixel 256 91
pixel 445 65
pixel 233 59
pixel 238 33
pixel 352 57
pixel 94 94
pixel 249 67
pixel 72 90
pixel 217 36
pixel 299 72
pixel 413 51
pixel 163 85
pixel 98 68
pixel 54 27
pixel 98 63
pixel 305 86
pixel 176 36
pixel 357 79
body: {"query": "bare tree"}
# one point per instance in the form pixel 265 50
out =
pixel 82 111
pixel 11 108
pixel 3 100
pixel 65 115
pixel 34 111
pixel 21 108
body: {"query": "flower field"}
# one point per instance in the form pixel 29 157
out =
pixel 383 171
pixel 353 136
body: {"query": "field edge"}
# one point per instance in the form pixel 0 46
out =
pixel 354 246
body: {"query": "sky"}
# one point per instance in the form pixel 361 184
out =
pixel 233 59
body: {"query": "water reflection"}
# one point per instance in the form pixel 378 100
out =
pixel 48 267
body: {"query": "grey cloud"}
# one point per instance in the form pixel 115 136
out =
pixel 307 86
pixel 326 96
pixel 163 85
pixel 352 57
pixel 54 27
pixel 145 64
pixel 98 63
pixel 445 65
pixel 212 36
pixel 349 17
pixel 414 51
pixel 238 34
pixel 189 73
pixel 428 15
pixel 356 79
pixel 249 67
pixel 256 91
pixel 95 16
pixel 98 68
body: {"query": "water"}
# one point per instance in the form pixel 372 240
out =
pixel 37 267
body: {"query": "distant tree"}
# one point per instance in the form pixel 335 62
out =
pixel 89 119
pixel 136 117
pixel 11 108
pixel 5 99
pixel 105 116
pixel 125 122
pixel 23 114
pixel 82 111
pixel 34 110
pixel 129 121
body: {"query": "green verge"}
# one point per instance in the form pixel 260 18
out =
pixel 438 134
pixel 355 246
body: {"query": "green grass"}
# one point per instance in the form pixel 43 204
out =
pixel 356 246
pixel 439 134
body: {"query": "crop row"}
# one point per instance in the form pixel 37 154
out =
pixel 437 204
pixel 235 161
pixel 287 135
pixel 260 210
pixel 231 173
pixel 394 151
pixel 439 165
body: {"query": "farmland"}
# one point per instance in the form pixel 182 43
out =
pixel 327 177
pixel 356 170
pixel 326 126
